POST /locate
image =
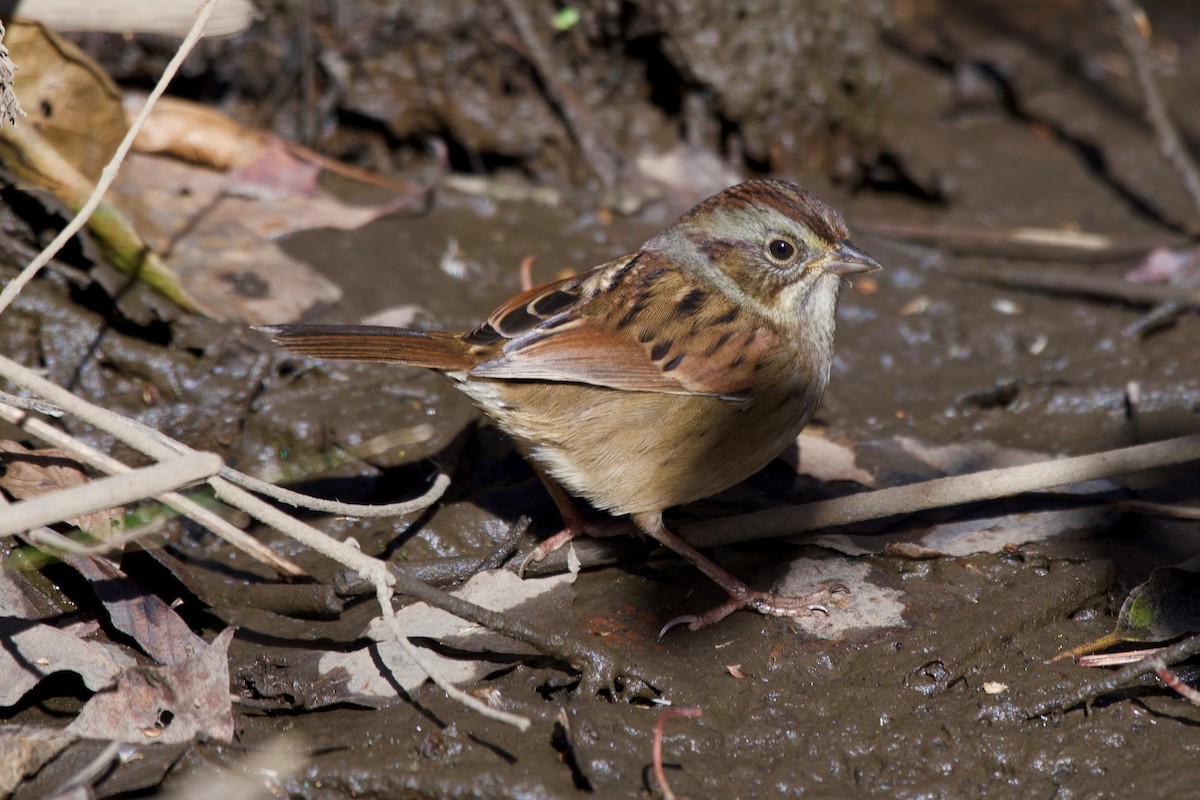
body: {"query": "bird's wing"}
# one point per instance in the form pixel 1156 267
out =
pixel 632 324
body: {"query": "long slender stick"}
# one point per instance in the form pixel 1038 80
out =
pixel 110 492
pixel 183 505
pixel 1177 652
pixel 941 492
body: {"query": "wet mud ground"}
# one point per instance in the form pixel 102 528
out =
pixel 897 711
pixel 895 706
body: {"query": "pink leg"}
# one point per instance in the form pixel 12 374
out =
pixel 740 595
pixel 574 525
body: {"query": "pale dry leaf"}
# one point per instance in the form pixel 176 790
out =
pixel 276 173
pixel 221 245
pixel 287 215
pixel 261 164
pixel 825 460
pixel 33 473
pixel 498 590
pixel 170 704
pixel 31 651
pixel 195 132
pixel 866 606
pixel 736 671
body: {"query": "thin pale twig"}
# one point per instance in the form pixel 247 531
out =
pixel 110 492
pixel 942 492
pixel 372 569
pixel 299 500
pixel 1014 243
pixel 1058 282
pixel 48 539
pixel 431 496
pixel 183 505
pixel 30 404
pixel 384 595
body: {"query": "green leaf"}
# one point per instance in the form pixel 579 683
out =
pixel 566 18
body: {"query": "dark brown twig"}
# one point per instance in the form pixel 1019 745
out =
pixel 656 748
pixel 1177 652
pixel 598 155
pixel 1169 144
pixel 439 571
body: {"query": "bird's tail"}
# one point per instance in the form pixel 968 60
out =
pixel 432 349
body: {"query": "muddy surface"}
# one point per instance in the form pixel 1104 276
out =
pixel 998 117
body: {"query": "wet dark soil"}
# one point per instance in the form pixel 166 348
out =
pixel 998 117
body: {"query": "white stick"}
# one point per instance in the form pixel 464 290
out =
pixel 110 492
pixel 942 492
pixel 183 505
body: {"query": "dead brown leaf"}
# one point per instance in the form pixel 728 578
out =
pixel 159 631
pixel 262 164
pixel 30 650
pixel 69 98
pixel 196 133
pixel 220 245
pixel 170 704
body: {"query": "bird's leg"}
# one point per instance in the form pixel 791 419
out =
pixel 740 595
pixel 574 524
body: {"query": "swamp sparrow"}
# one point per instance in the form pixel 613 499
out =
pixel 660 377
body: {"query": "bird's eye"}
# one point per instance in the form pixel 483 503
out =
pixel 781 250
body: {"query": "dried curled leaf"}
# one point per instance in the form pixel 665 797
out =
pixel 170 704
pixel 196 133
pixel 72 102
pixel 1167 605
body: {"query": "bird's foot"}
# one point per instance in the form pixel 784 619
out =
pixel 573 530
pixel 775 605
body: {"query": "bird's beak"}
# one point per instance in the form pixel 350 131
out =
pixel 846 259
